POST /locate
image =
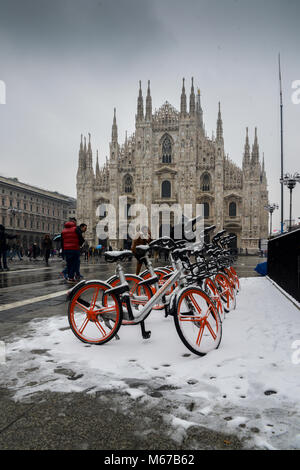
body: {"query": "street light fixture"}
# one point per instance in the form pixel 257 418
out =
pixel 14 211
pixel 271 208
pixel 290 181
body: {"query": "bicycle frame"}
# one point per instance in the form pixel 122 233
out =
pixel 159 294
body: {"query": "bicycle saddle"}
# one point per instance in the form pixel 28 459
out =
pixel 141 250
pixel 163 242
pixel 209 229
pixel 219 235
pixel 113 256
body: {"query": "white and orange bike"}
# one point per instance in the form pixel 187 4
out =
pixel 97 309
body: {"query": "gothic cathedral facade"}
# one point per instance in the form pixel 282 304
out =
pixel 170 159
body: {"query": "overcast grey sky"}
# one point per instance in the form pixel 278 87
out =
pixel 67 63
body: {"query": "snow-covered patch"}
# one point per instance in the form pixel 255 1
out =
pixel 249 386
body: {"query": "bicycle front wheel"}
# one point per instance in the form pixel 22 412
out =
pixel 94 316
pixel 197 321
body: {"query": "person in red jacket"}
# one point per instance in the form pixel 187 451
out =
pixel 72 240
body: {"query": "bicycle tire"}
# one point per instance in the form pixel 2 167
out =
pixel 93 325
pixel 200 326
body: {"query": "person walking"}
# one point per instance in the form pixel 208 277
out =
pixel 34 251
pixel 143 237
pixel 80 231
pixel 3 247
pixel 72 240
pixel 47 247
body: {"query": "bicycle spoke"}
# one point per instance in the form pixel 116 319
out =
pixel 200 334
pixel 82 328
pixel 94 299
pixel 100 328
pixel 195 303
pixel 81 306
pixel 211 330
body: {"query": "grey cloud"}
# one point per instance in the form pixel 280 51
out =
pixel 124 26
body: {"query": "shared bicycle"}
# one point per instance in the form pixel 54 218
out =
pixel 198 289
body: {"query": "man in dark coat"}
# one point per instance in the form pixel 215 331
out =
pixel 47 247
pixel 3 247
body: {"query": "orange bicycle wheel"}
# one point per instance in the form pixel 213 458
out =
pixel 197 321
pixel 94 316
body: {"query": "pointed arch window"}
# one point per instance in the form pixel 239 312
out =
pixel 232 209
pixel 166 189
pixel 167 150
pixel 205 182
pixel 206 210
pixel 128 184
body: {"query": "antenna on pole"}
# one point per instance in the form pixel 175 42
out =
pixel 281 140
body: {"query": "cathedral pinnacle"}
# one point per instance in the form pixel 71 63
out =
pixel 199 111
pixel 140 105
pixel 89 154
pixel 148 104
pixel 192 99
pixel 219 126
pixel 183 100
pixel 114 131
pixel 255 150
pixel 246 158
pixel 97 166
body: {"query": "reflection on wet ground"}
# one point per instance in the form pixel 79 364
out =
pixel 39 275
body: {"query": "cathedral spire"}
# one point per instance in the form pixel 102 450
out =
pixel 89 155
pixel 255 150
pixel 219 126
pixel 246 157
pixel 183 100
pixel 81 156
pixel 263 177
pixel 114 131
pixel 148 104
pixel 199 112
pixel 192 99
pixel 140 105
pixel 97 167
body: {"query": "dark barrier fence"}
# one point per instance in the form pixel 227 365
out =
pixel 284 262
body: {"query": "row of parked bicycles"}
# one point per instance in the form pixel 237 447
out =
pixel 197 289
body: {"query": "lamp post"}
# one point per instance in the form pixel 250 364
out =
pixel 271 208
pixel 14 211
pixel 290 181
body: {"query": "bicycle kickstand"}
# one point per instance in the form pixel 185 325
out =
pixel 145 334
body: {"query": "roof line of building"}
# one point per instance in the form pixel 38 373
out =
pixel 15 182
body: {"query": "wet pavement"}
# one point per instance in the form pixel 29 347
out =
pixel 44 420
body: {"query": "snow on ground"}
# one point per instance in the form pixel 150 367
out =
pixel 249 386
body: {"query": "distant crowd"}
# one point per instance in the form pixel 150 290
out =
pixel 11 248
